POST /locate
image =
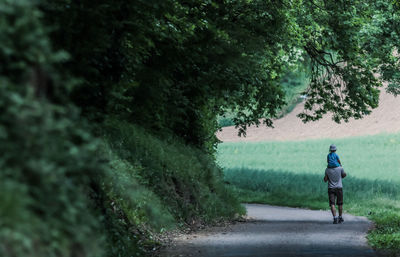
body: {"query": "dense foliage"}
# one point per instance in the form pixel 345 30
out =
pixel 171 66
pixel 109 108
pixel 66 193
pixel 47 161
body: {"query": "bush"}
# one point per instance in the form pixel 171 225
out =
pixel 48 160
pixel 47 165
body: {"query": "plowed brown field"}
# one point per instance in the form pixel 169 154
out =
pixel 385 118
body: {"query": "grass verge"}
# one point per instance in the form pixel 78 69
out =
pixel 154 185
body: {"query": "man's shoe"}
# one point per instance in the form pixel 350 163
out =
pixel 335 220
pixel 341 220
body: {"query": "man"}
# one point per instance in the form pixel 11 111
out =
pixel 334 174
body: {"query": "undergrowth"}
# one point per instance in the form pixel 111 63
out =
pixel 185 180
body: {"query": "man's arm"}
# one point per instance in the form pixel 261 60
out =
pixel 343 173
pixel 326 178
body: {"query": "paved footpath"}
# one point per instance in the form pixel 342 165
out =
pixel 279 231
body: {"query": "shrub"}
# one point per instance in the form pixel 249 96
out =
pixel 186 180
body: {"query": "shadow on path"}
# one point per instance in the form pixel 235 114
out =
pixel 279 231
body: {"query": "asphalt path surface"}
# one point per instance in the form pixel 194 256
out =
pixel 279 231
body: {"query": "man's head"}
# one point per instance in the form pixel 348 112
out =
pixel 332 148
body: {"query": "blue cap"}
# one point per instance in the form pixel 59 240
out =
pixel 332 148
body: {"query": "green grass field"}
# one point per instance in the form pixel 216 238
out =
pixel 291 174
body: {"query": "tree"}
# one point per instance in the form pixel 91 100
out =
pixel 173 66
pixel 338 38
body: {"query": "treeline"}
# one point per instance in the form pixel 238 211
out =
pixel 109 108
pixel 92 160
pixel 171 66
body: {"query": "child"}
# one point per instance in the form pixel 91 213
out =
pixel 333 158
pixel 334 174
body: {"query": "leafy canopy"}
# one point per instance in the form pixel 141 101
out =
pixel 173 66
